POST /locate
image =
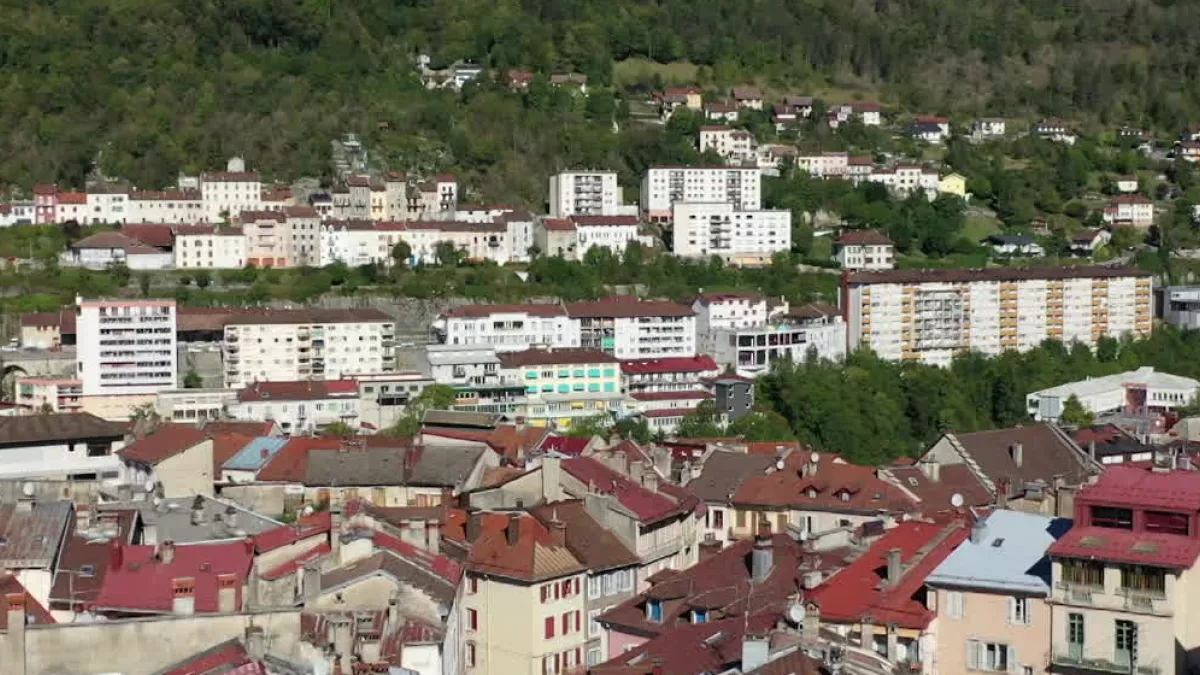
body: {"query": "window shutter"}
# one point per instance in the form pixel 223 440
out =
pixel 962 604
pixel 1012 609
pixel 578 620
pixel 1012 660
pixel 549 627
pixel 566 623
pixel 576 585
pixel 972 655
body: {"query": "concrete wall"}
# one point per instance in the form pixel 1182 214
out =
pixel 125 646
pixel 984 617
pixel 188 473
pixel 267 499
pixel 510 637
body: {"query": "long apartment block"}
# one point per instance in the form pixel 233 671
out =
pixel 933 315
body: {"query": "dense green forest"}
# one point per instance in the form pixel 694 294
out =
pixel 873 411
pixel 153 87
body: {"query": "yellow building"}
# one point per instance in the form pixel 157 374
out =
pixel 953 184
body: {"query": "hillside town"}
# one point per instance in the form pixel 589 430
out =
pixel 338 495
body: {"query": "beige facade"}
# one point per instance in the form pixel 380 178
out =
pixel 508 633
pixel 975 621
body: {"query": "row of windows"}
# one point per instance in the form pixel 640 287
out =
pixel 578 372
pixel 593 387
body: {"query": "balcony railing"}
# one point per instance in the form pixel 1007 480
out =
pixel 1145 601
pixel 1074 659
pixel 1079 593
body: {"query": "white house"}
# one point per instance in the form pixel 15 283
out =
pixel 209 247
pixel 825 164
pixel 175 206
pixel 904 179
pixel 726 311
pixel 1126 184
pixel 1086 242
pixel 748 97
pixel 1132 209
pixel 104 249
pixel 300 407
pixel 1054 130
pixel 505 327
pixel 865 250
pixel 1141 391
pixel 931 129
pixel 108 204
pixel 735 145
pixel 869 113
pixel 1015 245
pixel 74 445
pixel 988 128
pixel 792 334
pixel 354 243
pixel 225 194
pixel 702 230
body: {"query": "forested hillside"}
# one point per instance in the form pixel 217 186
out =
pixel 164 84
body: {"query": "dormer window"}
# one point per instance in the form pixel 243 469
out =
pixel 699 616
pixel 844 496
pixel 654 611
pixel 812 493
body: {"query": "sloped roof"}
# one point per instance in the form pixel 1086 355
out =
pixel 1047 453
pixel 647 505
pixel 835 485
pixel 681 364
pixel 138 581
pixel 484 311
pixel 863 238
pixel 554 357
pixel 594 545
pixel 114 240
pixel 1155 549
pixel 1010 555
pixel 158 236
pixel 34 611
pixel 164 443
pixel 32 537
pixel 724 472
pixel 625 306
pixel 306 390
pixel 43 429
pixel 514 545
pixel 403 569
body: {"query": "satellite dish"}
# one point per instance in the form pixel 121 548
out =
pixel 308 510
pixel 27 489
pixel 149 486
pixel 779 464
pixel 797 613
pixel 815 457
pixel 956 500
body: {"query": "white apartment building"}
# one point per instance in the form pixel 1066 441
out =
pixel 727 311
pixel 734 145
pixel 584 193
pixel 476 241
pixel 17 213
pixel 864 250
pixel 702 230
pixel 933 315
pixel 1136 392
pixel 611 232
pixel 1134 210
pixel 226 194
pixel 815 329
pixel 299 407
pixel 905 179
pixel 506 327
pixel 563 385
pixel 108 204
pixel 825 164
pixel 125 347
pixel 210 247
pixel 307 344
pixel 630 328
pixel 462 364
pixel 192 405
pixel 183 207
pixel 662 187
pixel 354 243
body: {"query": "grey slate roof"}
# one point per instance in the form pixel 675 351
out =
pixel 724 472
pixel 30 539
pixel 44 429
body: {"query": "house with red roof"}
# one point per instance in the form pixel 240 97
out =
pixel 879 599
pixel 162 579
pixel 176 459
pixel 865 250
pixel 300 407
pixel 1132 209
pixel 1116 597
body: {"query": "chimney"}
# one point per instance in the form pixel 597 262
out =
pixel 1003 486
pixel 166 552
pixel 558 531
pixel 117 556
pixel 343 639
pixel 650 479
pixel 198 510
pixel 473 527
pixel 256 643
pixel 1092 450
pixel 393 613
pixel 931 468
pixel 812 621
pixel 513 530
pixel 1017 451
pixel 762 556
pixel 978 529
pixel 312 580
pixel 709 547
pixel 894 567
pixel 756 651
pixel 231 517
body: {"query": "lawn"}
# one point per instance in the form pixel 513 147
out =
pixel 981 227
pixel 630 71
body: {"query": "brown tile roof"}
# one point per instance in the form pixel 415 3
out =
pixel 84 561
pixel 44 189
pixel 42 429
pixel 863 237
pixel 32 537
pixel 507 440
pixel 158 236
pixel 305 390
pixel 553 357
pixel 114 240
pixel 814 310
pixel 1046 453
pixel 625 306
pixel 590 542
pixel 649 506
pixel 747 93
pixel 996 274
pixel 515 546
pixel 169 195
pixel 72 198
pixel 482 311
pixel 300 212
pixel 166 442
pixel 835 485
pixel 307 316
pixel 558 224
pixel 605 221
pixel 400 567
pixel 935 495
pixel 724 472
pixel 322 462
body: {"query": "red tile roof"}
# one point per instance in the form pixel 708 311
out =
pixel 295 564
pixel 1141 487
pixel 227 658
pixel 935 495
pixel 45 189
pixel 626 306
pixel 513 545
pixel 681 364
pixel 566 445
pixel 72 198
pixel 114 240
pixel 9 586
pixel 558 224
pixel 860 591
pixel 691 395
pixel 231 177
pixel 166 442
pixel 863 237
pixel 835 485
pixel 138 580
pixel 449 570
pixel 306 390
pixel 1131 199
pixel 1123 546
pixel 649 506
pixel 158 236
pixel 483 311
pixel 506 439
pixel 605 221
pixel 307 526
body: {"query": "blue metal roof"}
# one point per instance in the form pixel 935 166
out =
pixel 1010 556
pixel 256 454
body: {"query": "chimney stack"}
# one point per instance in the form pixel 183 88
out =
pixel 558 530
pixel 978 529
pixel 117 557
pixel 256 643
pixel 1017 451
pixel 931 468
pixel 166 554
pixel 756 651
pixel 513 531
pixel 198 510
pixel 762 556
pixel 894 567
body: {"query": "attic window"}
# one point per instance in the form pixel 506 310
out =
pixel 654 610
pixel 699 616
pixel 998 542
pixel 87 570
pixel 812 493
pixel 913 482
pixel 844 496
